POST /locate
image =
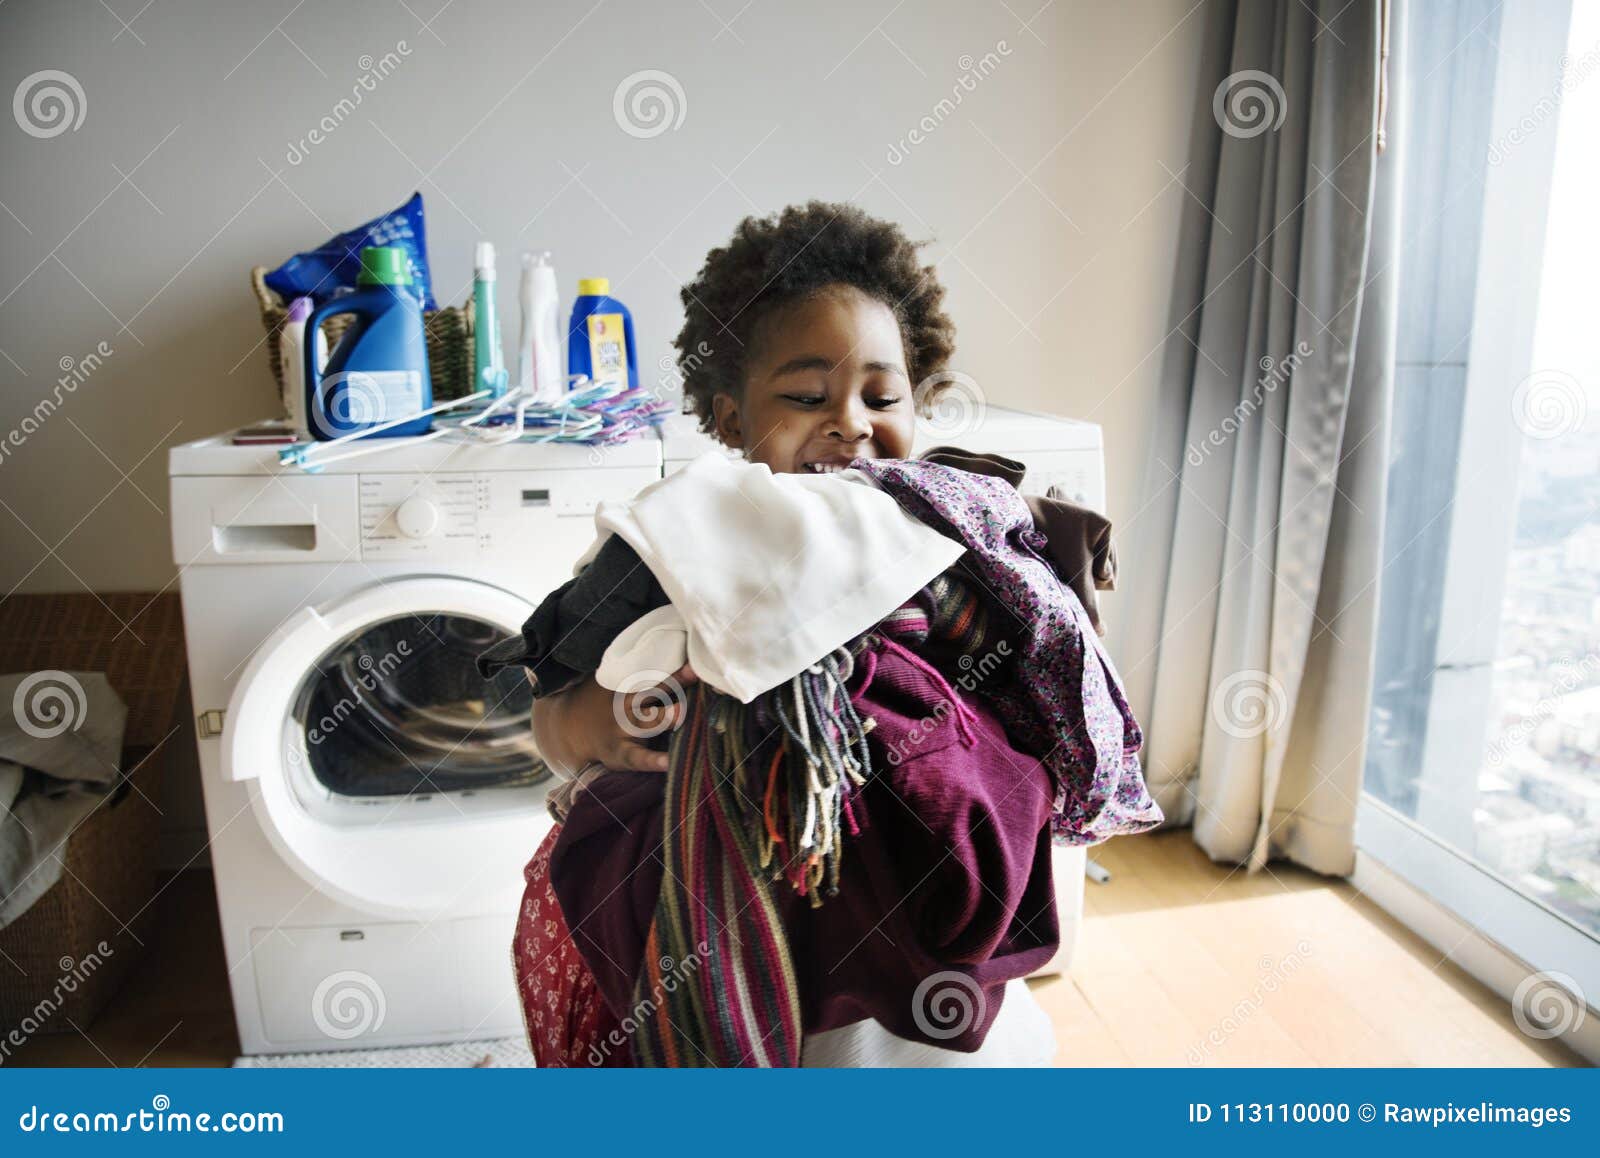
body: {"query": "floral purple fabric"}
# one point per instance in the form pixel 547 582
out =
pixel 1070 711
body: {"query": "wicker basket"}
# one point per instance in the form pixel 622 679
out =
pixel 53 972
pixel 449 332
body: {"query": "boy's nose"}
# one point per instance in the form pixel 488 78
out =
pixel 850 422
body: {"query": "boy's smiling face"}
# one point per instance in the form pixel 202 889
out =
pixel 825 382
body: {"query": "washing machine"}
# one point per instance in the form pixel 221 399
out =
pixel 370 800
pixel 1059 452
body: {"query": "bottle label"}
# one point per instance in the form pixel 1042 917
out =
pixel 369 397
pixel 608 350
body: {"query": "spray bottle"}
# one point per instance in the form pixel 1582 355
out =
pixel 488 367
pixel 539 350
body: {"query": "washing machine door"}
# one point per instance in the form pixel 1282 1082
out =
pixel 381 766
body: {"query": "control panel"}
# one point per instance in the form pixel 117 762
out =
pixel 463 515
pixel 1077 473
pixel 405 515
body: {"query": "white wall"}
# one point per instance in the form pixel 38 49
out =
pixel 1050 192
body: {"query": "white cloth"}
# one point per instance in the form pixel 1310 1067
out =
pixel 770 572
pixel 655 644
pixel 1021 1037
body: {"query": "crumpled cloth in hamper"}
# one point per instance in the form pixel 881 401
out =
pixel 60 756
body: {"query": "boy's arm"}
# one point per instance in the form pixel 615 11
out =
pixel 584 724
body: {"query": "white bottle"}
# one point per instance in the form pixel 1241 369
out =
pixel 539 347
pixel 291 355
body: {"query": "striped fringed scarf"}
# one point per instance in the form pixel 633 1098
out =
pixel 759 793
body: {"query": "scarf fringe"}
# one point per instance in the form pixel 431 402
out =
pixel 799 798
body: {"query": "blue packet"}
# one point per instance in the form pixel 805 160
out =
pixel 330 270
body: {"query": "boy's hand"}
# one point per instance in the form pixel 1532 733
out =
pixel 590 723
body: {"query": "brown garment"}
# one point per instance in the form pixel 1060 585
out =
pixel 1080 539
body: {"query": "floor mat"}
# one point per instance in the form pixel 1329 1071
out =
pixel 499 1053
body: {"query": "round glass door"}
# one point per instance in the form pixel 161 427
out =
pixel 397 708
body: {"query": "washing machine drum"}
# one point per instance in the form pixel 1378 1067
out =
pixel 400 708
pixel 382 767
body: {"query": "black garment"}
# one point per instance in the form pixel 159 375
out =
pixel 566 636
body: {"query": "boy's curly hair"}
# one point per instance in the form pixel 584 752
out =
pixel 783 259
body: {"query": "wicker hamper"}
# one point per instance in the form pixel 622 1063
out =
pixel 449 332
pixel 109 879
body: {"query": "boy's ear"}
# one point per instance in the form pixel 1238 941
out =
pixel 725 416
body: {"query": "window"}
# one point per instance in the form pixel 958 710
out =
pixel 1483 773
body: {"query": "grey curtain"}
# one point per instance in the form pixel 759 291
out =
pixel 1248 646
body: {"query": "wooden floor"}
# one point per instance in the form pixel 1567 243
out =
pixel 1180 962
pixel 1184 962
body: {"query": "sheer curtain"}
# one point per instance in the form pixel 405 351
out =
pixel 1249 633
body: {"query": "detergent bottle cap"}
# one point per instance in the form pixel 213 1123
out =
pixel 594 286
pixel 483 257
pixel 383 265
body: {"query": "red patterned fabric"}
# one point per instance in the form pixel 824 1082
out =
pixel 566 1018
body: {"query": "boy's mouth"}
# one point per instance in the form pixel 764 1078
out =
pixel 832 464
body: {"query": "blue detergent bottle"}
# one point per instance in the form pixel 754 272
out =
pixel 600 338
pixel 379 370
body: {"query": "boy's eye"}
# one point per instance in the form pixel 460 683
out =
pixel 882 403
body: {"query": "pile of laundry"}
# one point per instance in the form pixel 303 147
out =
pixel 830 620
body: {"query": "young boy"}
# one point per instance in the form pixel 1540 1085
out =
pixel 804 341
pixel 802 344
